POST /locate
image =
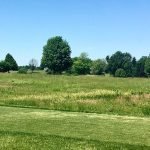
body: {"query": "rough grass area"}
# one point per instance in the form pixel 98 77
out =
pixel 98 94
pixel 26 128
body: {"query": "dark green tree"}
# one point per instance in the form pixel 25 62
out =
pixel 56 55
pixel 11 62
pixel 127 64
pixel 147 66
pixel 98 67
pixel 4 66
pixel 140 67
pixel 114 62
pixel 120 60
pixel 134 67
pixel 134 62
pixel 107 58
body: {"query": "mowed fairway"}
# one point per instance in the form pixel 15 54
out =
pixel 23 128
pixel 40 111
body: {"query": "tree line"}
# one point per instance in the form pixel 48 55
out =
pixel 56 59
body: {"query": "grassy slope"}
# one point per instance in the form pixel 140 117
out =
pixel 43 129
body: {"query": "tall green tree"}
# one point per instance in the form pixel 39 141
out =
pixel 56 55
pixel 11 62
pixel 147 66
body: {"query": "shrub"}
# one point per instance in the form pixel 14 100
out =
pixel 22 71
pixel 81 65
pixel 120 73
pixel 146 110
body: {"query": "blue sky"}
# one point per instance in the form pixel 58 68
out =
pixel 98 27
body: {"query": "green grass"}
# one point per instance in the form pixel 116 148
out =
pixel 39 111
pixel 26 128
pixel 104 95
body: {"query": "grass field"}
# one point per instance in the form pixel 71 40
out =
pixel 77 93
pixel 40 111
pixel 43 129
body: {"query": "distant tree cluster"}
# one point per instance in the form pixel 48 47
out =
pixel 124 65
pixel 8 64
pixel 83 65
pixel 57 59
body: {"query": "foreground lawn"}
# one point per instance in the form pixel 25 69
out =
pixel 98 94
pixel 26 128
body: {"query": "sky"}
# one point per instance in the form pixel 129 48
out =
pixel 98 27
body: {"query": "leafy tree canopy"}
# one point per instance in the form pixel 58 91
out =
pixel 120 60
pixel 56 55
pixel 98 67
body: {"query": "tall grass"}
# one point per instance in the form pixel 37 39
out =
pixel 98 94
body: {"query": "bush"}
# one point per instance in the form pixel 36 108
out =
pixel 22 71
pixel 80 68
pixel 81 65
pixel 120 73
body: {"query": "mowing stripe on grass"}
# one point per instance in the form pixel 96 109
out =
pixel 87 126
